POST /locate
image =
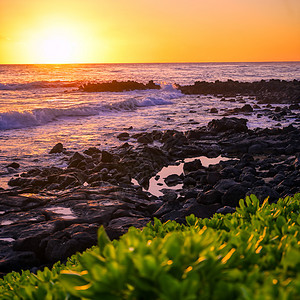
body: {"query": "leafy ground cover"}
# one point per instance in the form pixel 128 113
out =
pixel 253 253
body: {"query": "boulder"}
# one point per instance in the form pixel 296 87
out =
pixel 123 136
pixel 192 166
pixel 263 192
pixel 58 148
pixel 225 210
pixel 228 124
pixel 107 157
pixel 13 165
pixel 233 195
pixel 224 184
pixel 210 197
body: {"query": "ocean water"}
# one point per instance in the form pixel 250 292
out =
pixel 40 105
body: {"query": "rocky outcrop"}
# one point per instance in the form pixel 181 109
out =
pixel 50 213
pixel 118 86
pixel 272 91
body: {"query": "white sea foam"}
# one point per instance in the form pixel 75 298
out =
pixel 41 116
pixel 15 119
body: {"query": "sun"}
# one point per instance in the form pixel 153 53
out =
pixel 58 49
pixel 58 45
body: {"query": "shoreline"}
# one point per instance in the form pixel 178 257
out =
pixel 51 213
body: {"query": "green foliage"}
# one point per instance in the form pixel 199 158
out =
pixel 253 253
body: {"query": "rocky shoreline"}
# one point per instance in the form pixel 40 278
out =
pixel 50 213
pixel 270 91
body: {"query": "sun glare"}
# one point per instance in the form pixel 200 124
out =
pixel 57 46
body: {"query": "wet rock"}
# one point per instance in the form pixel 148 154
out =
pixel 210 197
pixel 192 166
pixel 246 108
pixel 199 210
pixel 92 151
pixel 65 243
pixel 191 194
pixel 213 110
pixel 13 165
pixel 213 177
pixel 295 106
pixel 75 160
pixel 262 192
pixel 296 163
pixel 123 136
pixel 16 261
pixel 255 149
pixel 169 196
pixel 118 227
pixel 118 86
pixel 145 139
pixel 224 184
pixel 233 195
pixel 230 172
pixel 228 124
pixel 58 148
pixel 166 208
pixel 225 210
pixel 189 181
pixel 249 177
pixel 107 157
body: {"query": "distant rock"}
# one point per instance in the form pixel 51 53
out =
pixel 58 148
pixel 213 110
pixel 271 91
pixel 118 86
pixel 13 165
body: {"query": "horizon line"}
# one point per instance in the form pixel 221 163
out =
pixel 124 63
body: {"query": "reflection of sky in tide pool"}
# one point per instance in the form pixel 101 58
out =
pixel 9 240
pixel 155 186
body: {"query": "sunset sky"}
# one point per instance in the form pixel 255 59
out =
pixel 119 31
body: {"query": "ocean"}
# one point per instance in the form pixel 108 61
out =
pixel 40 105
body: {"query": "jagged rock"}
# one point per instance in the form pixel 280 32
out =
pixel 213 110
pixel 58 148
pixel 192 166
pixel 210 197
pixel 107 157
pixel 233 195
pixel 123 136
pixel 228 124
pixel 262 192
pixel 224 184
pixel 225 210
pixel 16 261
pixel 65 243
pixel 13 165
pixel 118 86
pixel 173 180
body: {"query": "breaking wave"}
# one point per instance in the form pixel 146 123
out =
pixel 41 116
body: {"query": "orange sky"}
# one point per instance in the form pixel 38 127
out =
pixel 119 31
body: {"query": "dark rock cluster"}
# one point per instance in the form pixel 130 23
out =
pixel 50 213
pixel 118 86
pixel 272 91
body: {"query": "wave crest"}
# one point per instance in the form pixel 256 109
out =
pixel 41 116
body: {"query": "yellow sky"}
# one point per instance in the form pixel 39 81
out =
pixel 119 31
